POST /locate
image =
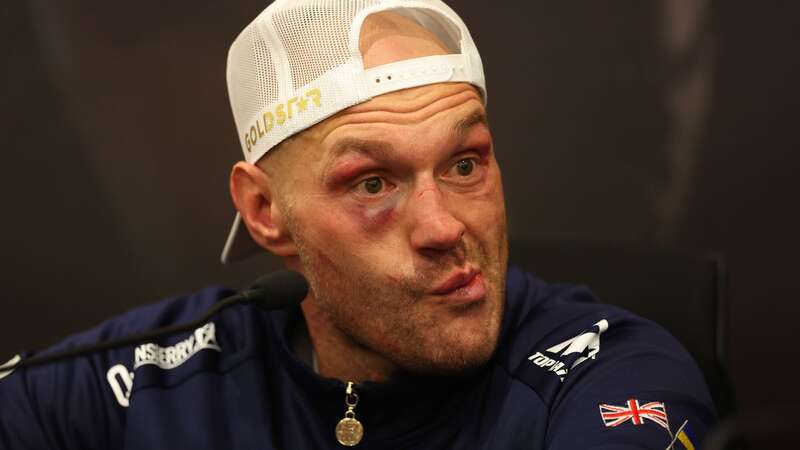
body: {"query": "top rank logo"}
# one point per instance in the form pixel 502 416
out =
pixel 567 355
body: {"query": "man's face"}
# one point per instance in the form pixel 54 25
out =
pixel 397 212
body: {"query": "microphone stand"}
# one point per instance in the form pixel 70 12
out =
pixel 244 297
pixel 272 291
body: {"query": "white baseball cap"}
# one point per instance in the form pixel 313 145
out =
pixel 299 63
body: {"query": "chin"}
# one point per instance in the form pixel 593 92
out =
pixel 463 344
pixel 452 360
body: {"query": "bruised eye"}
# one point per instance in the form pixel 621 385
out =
pixel 465 167
pixel 373 185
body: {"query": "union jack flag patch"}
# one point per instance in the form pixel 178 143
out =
pixel 617 415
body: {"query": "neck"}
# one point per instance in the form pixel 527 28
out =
pixel 338 356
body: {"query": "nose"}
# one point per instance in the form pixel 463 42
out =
pixel 436 229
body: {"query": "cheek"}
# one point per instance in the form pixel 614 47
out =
pixel 347 228
pixel 484 211
pixel 375 217
pixel 490 196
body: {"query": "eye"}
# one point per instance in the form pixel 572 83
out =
pixel 465 170
pixel 372 185
pixel 465 167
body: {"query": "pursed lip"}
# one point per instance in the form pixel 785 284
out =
pixel 456 281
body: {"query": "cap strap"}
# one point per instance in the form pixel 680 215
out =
pixel 416 72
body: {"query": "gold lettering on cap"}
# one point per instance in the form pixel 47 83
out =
pixel 283 113
pixel 280 114
pixel 268 121
pixel 315 96
pixel 260 131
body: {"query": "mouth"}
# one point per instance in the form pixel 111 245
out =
pixel 465 286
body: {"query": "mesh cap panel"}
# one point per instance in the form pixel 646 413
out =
pixel 256 79
pixel 315 37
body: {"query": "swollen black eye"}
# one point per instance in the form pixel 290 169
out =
pixel 465 167
pixel 373 185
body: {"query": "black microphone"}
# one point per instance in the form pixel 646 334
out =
pixel 276 290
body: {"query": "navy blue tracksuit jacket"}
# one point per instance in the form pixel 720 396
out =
pixel 569 373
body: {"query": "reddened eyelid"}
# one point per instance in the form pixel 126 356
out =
pixel 480 154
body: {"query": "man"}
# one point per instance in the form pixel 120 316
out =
pixel 369 167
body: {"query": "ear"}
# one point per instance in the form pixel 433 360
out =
pixel 253 193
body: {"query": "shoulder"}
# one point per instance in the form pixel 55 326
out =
pixel 553 332
pixel 170 311
pixel 567 320
pixel 96 386
pixel 577 354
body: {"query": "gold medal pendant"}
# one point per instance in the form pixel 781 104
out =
pixel 349 430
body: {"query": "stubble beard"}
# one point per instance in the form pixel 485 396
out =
pixel 391 320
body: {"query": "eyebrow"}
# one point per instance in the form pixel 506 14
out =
pixel 372 148
pixel 476 117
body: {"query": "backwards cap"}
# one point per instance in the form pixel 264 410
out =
pixel 299 63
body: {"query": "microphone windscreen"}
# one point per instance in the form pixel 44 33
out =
pixel 279 289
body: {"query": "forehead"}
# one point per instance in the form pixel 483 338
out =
pixel 345 144
pixel 443 110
